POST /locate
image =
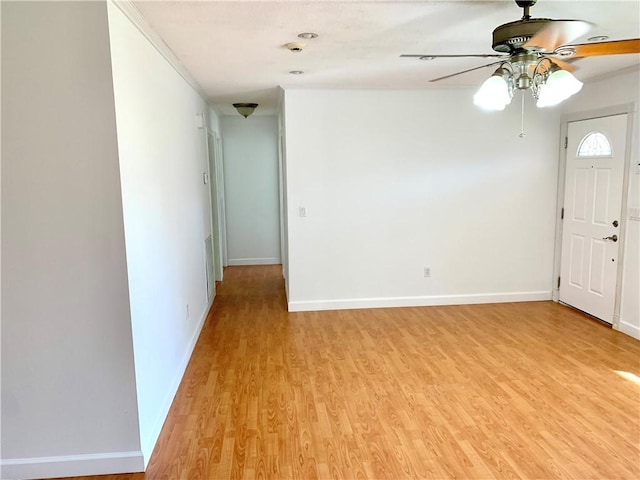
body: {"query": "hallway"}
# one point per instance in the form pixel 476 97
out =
pixel 522 390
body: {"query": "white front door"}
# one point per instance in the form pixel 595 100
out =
pixel 592 214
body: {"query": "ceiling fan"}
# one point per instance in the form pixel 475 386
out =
pixel 532 53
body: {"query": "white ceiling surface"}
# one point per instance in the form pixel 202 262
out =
pixel 235 49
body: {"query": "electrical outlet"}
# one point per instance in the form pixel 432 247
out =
pixel 427 272
pixel 187 311
pixel 302 211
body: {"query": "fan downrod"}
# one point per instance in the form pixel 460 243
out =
pixel 526 5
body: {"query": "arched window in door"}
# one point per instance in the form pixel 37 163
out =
pixel 594 144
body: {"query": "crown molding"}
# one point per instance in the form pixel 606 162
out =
pixel 144 27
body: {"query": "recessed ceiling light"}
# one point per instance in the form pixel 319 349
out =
pixel 296 72
pixel 308 35
pixel 598 38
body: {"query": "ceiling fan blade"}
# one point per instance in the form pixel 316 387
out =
pixel 569 67
pixel 557 33
pixel 426 56
pixel 614 47
pixel 465 71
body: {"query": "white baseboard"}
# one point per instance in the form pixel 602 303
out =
pixel 149 442
pixel 254 261
pixel 71 465
pixel 629 329
pixel 424 301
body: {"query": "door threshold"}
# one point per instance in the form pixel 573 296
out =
pixel 599 320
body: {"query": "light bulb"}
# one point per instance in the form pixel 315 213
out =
pixel 493 94
pixel 559 86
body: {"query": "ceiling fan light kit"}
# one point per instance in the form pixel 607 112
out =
pixel 531 53
pixel 548 83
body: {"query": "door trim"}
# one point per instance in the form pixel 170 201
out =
pixel 629 109
pixel 216 180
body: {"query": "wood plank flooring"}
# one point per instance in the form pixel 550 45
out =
pixel 522 390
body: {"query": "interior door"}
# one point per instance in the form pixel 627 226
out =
pixel 592 214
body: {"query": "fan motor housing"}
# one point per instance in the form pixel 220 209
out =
pixel 510 37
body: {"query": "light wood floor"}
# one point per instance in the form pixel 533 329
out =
pixel 526 390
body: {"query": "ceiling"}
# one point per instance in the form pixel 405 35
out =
pixel 235 49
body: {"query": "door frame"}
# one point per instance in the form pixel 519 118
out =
pixel 216 186
pixel 629 109
pixel 220 184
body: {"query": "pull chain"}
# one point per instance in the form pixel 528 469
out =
pixel 522 134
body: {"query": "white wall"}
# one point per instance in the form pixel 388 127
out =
pixel 68 386
pixel 213 120
pixel 619 90
pixel 393 181
pixel 166 216
pixel 251 189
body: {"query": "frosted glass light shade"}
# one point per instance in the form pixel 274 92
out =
pixel 493 94
pixel 559 86
pixel 245 109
